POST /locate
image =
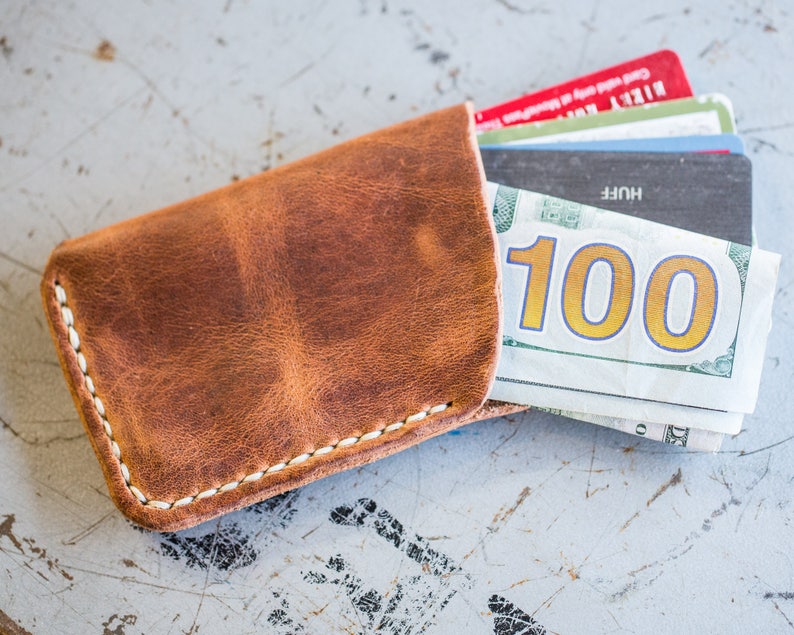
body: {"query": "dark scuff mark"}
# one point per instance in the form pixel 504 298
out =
pixel 10 627
pixel 118 623
pixel 438 57
pixel 365 513
pixel 282 508
pixel 281 620
pixel 409 606
pixel 227 549
pixel 675 479
pixel 706 526
pixel 230 547
pixel 28 547
pixel 5 48
pixel 780 595
pixel 414 599
pixel 366 600
pixel 41 554
pixel 6 529
pixel 105 51
pixel 508 619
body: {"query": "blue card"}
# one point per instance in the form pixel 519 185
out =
pixel 729 143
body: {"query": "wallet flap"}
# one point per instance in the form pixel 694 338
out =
pixel 303 321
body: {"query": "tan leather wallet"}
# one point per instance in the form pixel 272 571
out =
pixel 301 322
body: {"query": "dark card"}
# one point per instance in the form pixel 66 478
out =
pixel 705 193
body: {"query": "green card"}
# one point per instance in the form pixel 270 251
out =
pixel 703 115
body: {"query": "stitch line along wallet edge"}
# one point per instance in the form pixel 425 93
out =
pixel 301 322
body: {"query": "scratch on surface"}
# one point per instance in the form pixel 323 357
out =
pixel 781 126
pixel 766 447
pixel 88 530
pixel 592 459
pixel 305 69
pixel 500 518
pixel 194 626
pixel 758 144
pixel 675 479
pixel 785 617
pixel 5 425
pixel 126 579
pixel 298 74
pixel 515 9
pixel 708 48
pixel 655 18
pixel 547 602
pixel 678 551
pixel 629 521
pixel 587 24
pixel 19 263
pixel 505 440
pixel 86 131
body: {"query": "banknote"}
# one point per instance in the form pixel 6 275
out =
pixel 706 193
pixel 691 438
pixel 647 79
pixel 591 403
pixel 705 115
pixel 600 305
pixel 721 143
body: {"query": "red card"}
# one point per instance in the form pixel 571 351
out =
pixel 655 77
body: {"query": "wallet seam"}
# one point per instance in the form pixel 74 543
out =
pixel 67 316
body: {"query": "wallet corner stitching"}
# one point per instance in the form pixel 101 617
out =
pixel 67 316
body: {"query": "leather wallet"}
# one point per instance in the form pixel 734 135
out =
pixel 304 321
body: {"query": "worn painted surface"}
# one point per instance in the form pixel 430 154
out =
pixel 515 525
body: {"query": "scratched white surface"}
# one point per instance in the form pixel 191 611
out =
pixel 506 526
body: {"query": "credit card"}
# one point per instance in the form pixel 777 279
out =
pixel 725 143
pixel 706 193
pixel 704 115
pixel 655 77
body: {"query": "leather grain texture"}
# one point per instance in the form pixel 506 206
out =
pixel 352 296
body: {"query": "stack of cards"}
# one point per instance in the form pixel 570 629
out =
pixel 631 139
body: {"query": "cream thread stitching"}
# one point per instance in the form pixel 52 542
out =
pixel 74 341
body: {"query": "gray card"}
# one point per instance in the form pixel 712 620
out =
pixel 706 193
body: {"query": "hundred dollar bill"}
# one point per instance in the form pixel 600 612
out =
pixel 617 316
pixel 690 438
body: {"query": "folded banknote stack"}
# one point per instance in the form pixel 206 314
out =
pixel 652 317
